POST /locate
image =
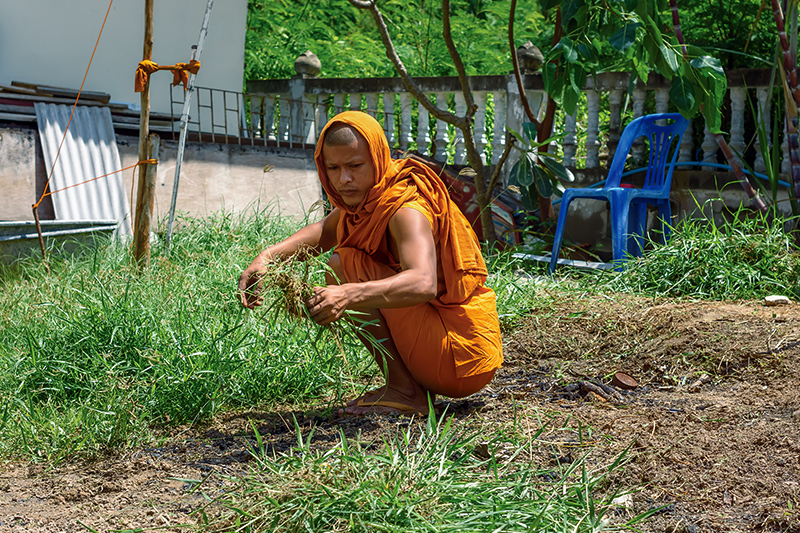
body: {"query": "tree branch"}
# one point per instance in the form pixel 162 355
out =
pixel 456 57
pixel 500 162
pixel 515 62
pixel 408 82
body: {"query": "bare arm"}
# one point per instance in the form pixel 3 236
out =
pixel 314 238
pixel 414 284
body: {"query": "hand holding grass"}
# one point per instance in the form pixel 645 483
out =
pixel 328 304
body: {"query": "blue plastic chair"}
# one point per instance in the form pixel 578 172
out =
pixel 629 205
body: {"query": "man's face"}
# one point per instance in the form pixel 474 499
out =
pixel 350 170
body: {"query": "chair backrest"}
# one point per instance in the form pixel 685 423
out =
pixel 664 132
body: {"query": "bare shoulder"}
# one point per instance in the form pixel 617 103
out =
pixel 409 221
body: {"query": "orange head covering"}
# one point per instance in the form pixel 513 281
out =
pixel 364 227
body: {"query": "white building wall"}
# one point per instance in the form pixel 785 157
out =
pixel 50 42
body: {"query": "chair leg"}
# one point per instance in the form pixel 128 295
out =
pixel 620 208
pixel 637 227
pixel 559 236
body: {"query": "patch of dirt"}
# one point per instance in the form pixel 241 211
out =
pixel 711 430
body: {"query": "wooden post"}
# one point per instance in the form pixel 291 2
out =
pixel 141 230
pixel 39 231
pixel 141 243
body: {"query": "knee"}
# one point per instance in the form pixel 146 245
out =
pixel 335 273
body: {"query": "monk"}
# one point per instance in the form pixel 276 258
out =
pixel 403 255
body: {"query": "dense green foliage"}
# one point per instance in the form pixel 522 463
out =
pixel 348 44
pixel 737 32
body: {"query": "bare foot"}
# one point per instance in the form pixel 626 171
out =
pixel 368 396
pixel 386 401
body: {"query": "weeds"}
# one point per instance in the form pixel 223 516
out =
pixel 424 477
pixel 747 258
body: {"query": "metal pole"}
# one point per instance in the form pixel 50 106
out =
pixel 196 50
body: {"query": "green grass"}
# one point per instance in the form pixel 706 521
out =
pixel 95 355
pixel 426 477
pixel 747 258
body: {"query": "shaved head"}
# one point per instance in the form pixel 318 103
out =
pixel 341 135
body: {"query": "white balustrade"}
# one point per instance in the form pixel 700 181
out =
pixel 614 121
pixel 592 129
pixel 283 123
pixel 639 98
pixel 388 118
pixel 423 139
pixel 460 156
pixel 355 101
pixel 480 124
pixel 762 95
pixel 442 138
pixel 569 144
pixel 406 136
pixel 321 114
pixel 685 149
pixel 499 137
pixel 736 142
pixel 338 103
pixel 709 146
pixel 280 116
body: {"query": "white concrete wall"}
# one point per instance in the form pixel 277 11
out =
pixel 230 177
pixel 213 177
pixel 50 42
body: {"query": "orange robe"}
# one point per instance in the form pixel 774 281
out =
pixel 451 344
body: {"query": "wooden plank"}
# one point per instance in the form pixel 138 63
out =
pixel 48 100
pixel 63 92
pixel 21 90
pixel 14 117
pixel 22 110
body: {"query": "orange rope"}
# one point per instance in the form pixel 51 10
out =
pixel 48 193
pixel 50 176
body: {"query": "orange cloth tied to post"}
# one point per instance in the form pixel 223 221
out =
pixel 465 307
pixel 180 72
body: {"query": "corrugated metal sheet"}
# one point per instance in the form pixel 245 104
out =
pixel 89 150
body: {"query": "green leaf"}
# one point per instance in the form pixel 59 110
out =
pixel 523 171
pixel 681 93
pixel 559 170
pixel 570 53
pixel 544 184
pixel 670 57
pixel 519 137
pixel 530 132
pixel 569 10
pixel 577 77
pixel 624 37
pixel 526 197
pixel 569 100
pixel 708 65
pixel 713 115
pixel 553 82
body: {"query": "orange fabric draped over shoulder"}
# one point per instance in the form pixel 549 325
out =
pixel 467 308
